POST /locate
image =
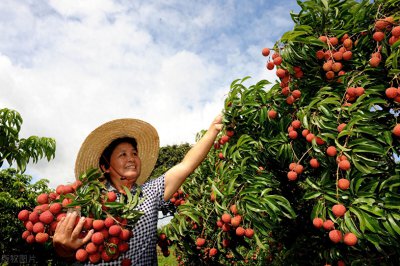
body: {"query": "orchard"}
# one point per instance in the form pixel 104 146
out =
pixel 306 169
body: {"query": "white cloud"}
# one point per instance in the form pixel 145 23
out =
pixel 86 62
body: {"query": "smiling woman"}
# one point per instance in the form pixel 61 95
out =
pixel 126 150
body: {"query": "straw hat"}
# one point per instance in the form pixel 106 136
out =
pixel 147 143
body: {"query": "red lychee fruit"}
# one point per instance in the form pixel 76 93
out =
pixel 328 225
pixel 270 65
pixel 296 94
pixel 265 51
pixel 335 236
pixel 125 234
pixel 378 36
pixel 344 165
pixel 374 61
pixel 305 132
pixel 221 156
pixel 280 73
pixel 233 209
pixel 235 222
pixel 396 31
pixel 200 242
pixel 391 92
pixel 310 137
pixel 213 252
pixel 293 134
pixel 331 151
pixel 91 248
pixel 277 61
pixel 296 124
pixel 55 208
pixel 240 231
pixel 95 258
pixel 38 227
pixel 34 217
pixel 98 225
pixel 46 217
pixel 41 238
pixel 314 163
pixel 359 91
pixel 81 255
pixel 220 223
pixel 30 239
pixel 25 234
pixel 292 175
pixel 396 132
pixel 343 183
pixel 114 230
pixel 23 215
pixel 111 196
pixel 97 238
pixel 317 222
pixel 42 198
pixel 225 242
pixel 341 127
pixel 249 233
pixel 226 218
pixel 347 55
pixel 350 239
pixel 123 247
pixel 226 227
pixel 272 114
pixel 298 169
pixel 108 222
pixel 338 210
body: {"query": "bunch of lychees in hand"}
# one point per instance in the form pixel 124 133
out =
pixel 105 213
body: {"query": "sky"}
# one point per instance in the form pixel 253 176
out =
pixel 68 66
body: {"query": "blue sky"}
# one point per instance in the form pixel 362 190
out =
pixel 70 65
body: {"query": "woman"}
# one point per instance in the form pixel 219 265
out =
pixel 126 150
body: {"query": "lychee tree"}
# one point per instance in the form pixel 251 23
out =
pixel 306 170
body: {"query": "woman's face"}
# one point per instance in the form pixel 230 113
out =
pixel 125 164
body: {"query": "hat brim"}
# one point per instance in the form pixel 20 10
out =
pixel 146 136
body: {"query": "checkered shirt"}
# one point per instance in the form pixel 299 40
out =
pixel 142 245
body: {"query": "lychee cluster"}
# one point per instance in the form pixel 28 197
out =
pixel 336 235
pixel 163 242
pixel 178 198
pixel 285 76
pixel 335 55
pixel 229 223
pixel 108 242
pixel 41 222
pixel 111 234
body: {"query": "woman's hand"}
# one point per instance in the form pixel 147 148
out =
pixel 66 237
pixel 217 123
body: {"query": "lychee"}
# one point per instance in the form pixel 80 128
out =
pixel 338 210
pixel 350 239
pixel 226 218
pixel 41 237
pixel 343 183
pixel 335 236
pixel 23 215
pixel 200 242
pixel 317 222
pixel 81 255
pixel 331 151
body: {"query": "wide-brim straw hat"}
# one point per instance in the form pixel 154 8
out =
pixel 146 136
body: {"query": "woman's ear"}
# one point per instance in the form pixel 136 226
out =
pixel 104 168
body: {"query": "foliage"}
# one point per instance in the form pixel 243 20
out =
pixel 251 169
pixel 17 191
pixel 20 150
pixel 168 157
